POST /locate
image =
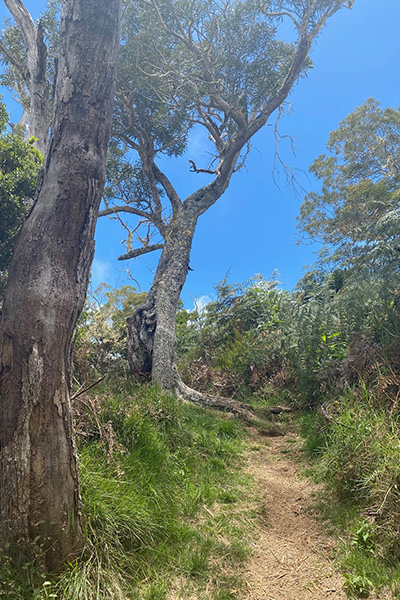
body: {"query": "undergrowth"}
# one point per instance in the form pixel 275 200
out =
pixel 159 493
pixel 357 456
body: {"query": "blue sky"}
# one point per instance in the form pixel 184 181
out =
pixel 252 228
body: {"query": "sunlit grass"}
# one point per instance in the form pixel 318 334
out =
pixel 357 457
pixel 154 495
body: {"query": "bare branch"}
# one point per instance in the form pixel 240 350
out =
pixel 194 169
pixel 86 389
pixel 112 210
pixel 140 251
pixel 24 21
pixel 243 159
pixel 305 40
pixel 290 172
pixel 168 187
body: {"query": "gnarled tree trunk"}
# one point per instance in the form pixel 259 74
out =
pixel 47 284
pixel 151 331
pixel 152 328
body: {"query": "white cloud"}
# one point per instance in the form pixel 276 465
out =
pixel 201 302
pixel 101 271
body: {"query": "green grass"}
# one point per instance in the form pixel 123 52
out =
pixel 157 489
pixel 357 457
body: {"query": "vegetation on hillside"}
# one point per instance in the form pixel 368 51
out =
pixel 159 477
pixel 329 348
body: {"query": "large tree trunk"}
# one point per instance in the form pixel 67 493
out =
pixel 152 328
pixel 48 278
pixel 151 331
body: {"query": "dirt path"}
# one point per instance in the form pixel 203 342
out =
pixel 292 558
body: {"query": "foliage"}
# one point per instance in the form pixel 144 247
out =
pixel 356 213
pixel 100 337
pixel 260 339
pixel 358 459
pixel 220 67
pixel 256 338
pixel 19 167
pixel 332 346
pixel 187 330
pixel 145 498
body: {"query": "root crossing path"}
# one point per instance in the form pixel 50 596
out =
pixel 292 557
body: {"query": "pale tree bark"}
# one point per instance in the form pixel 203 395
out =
pixel 47 284
pixel 152 328
pixel 33 74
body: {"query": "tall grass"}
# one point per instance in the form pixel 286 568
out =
pixel 358 459
pixel 149 489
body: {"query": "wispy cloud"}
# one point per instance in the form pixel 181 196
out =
pixel 101 271
pixel 201 302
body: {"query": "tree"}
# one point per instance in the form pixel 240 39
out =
pixel 29 72
pixel 100 336
pixel 356 215
pixel 19 167
pixel 48 277
pixel 219 66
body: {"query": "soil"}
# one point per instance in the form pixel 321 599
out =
pixel 292 556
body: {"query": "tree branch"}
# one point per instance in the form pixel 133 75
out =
pixel 128 141
pixel 211 127
pixel 303 47
pixel 140 251
pixel 283 14
pixel 194 169
pixel 14 61
pixel 24 21
pixel 168 187
pixel 112 210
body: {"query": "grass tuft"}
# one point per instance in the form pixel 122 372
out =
pixel 149 495
pixel 358 458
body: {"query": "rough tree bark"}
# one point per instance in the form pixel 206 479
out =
pixel 151 331
pixel 152 328
pixel 47 284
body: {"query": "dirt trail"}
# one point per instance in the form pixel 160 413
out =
pixel 292 558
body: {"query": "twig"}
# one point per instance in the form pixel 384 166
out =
pixel 88 388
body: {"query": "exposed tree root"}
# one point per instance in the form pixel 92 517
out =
pixel 239 409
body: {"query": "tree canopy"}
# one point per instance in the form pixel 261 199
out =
pixel 219 66
pixel 356 215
